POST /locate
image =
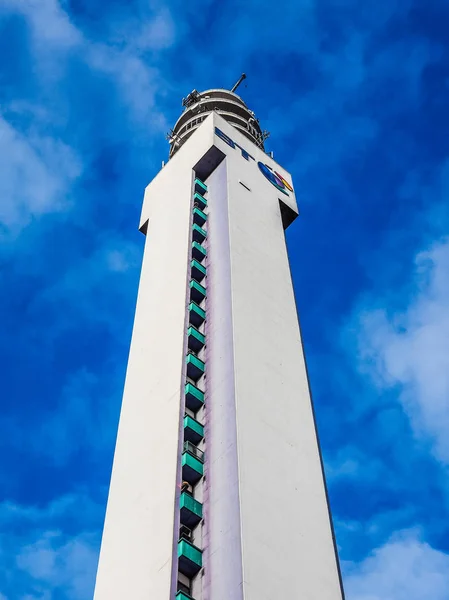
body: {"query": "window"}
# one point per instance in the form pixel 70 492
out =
pixel 185 533
pixel 183 583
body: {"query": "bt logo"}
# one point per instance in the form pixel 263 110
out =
pixel 273 176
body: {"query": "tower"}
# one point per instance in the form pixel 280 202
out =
pixel 217 488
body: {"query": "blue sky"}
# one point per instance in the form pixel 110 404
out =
pixel 355 96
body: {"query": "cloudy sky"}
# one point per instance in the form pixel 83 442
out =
pixel 355 95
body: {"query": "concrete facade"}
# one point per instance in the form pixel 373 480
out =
pixel 266 532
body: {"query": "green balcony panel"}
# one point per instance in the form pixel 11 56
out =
pixel 198 271
pixel 194 397
pixel 197 291
pixel 197 315
pixel 195 367
pixel 192 468
pixel 193 431
pixel 195 339
pixel 190 558
pixel 191 510
pixel 198 234
pixel 183 596
pixel 199 186
pixel 198 252
pixel 199 201
pixel 199 217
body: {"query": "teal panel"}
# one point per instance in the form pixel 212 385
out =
pixel 198 199
pixel 198 233
pixel 196 362
pixel 198 251
pixel 197 291
pixel 199 216
pixel 194 396
pixel 197 309
pixel 197 314
pixel 193 424
pixel 191 552
pixel 193 331
pixel 196 265
pixel 192 468
pixel 189 503
pixel 199 186
pixel 198 211
pixel 192 462
pixel 183 596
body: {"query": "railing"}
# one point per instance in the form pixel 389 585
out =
pixel 194 451
pixel 197 362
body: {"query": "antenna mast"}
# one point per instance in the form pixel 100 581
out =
pixel 238 82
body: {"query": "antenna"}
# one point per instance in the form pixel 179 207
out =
pixel 238 82
pixel 191 98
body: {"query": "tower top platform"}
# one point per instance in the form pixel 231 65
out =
pixel 198 105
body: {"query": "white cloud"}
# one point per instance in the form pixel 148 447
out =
pixel 86 412
pixel 93 281
pixel 82 420
pixel 57 563
pixel 85 418
pixel 160 32
pixel 123 258
pixel 39 559
pixel 409 349
pixel 54 34
pixel 36 173
pixel 349 462
pixel 155 32
pixel 405 568
pixel 79 508
pixel 49 22
pixel 136 81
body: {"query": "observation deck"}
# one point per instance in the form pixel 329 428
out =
pixel 198 105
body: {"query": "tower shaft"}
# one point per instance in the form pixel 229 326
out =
pixel 217 489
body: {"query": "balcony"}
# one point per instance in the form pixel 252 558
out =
pixel 194 397
pixel 197 291
pixel 195 339
pixel 198 234
pixel 194 451
pixel 198 252
pixel 197 270
pixel 199 186
pixel 191 510
pixel 195 367
pixel 192 466
pixel 193 430
pixel 199 218
pixel 197 316
pixel 198 200
pixel 190 558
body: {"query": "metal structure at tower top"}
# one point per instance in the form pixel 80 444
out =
pixel 198 105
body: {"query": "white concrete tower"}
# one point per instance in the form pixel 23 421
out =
pixel 217 488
